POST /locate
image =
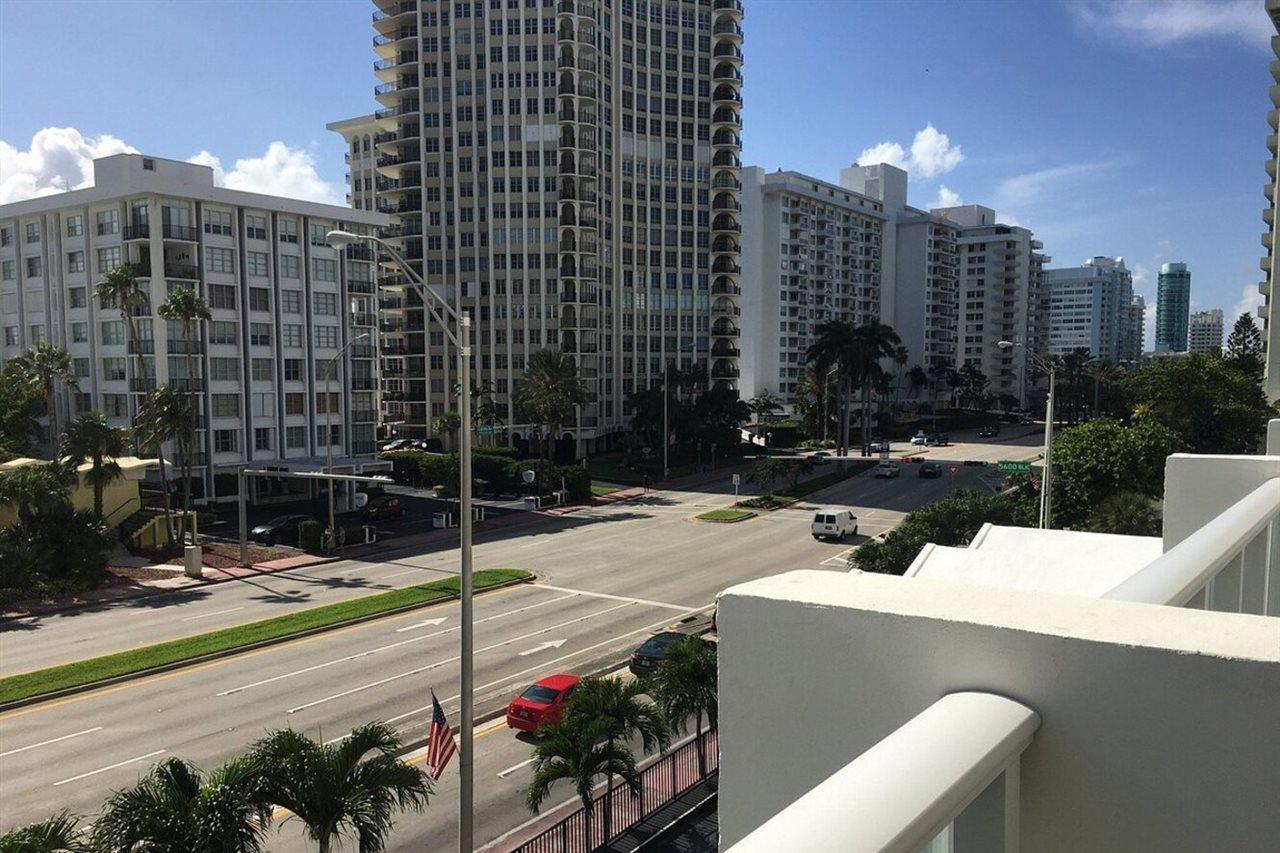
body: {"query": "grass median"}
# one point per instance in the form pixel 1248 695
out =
pixel 90 670
pixel 789 495
pixel 725 516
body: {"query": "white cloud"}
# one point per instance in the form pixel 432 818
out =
pixel 59 159
pixel 1250 301
pixel 1029 186
pixel 946 198
pixel 1159 23
pixel 931 154
pixel 1141 275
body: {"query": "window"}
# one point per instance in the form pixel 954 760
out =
pixel 259 299
pixel 291 301
pixel 113 369
pixel 108 221
pixel 108 258
pixel 224 332
pixel 33 232
pixel 7 271
pixel 224 369
pixel 289 266
pixel 255 226
pixel 323 269
pixel 262 369
pixel 222 296
pixel 292 334
pixel 112 332
pixel 325 304
pixel 115 405
pixel 220 260
pixel 79 333
pixel 258 263
pixel 260 334
pixel 335 434
pixel 33 268
pixel 288 230
pixel 75 261
pixel 326 336
pixel 81 366
pixel 293 370
pixel 317 233
pixel 224 440
pixel 262 438
pixel 6 236
pixel 217 222
pixel 327 403
pixel 295 436
pixel 226 405
pixel 295 404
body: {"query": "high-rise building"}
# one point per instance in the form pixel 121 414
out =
pixel 1270 322
pixel 1173 305
pixel 1132 343
pixel 1204 331
pixel 1002 299
pixel 811 253
pixel 568 172
pixel 284 305
pixel 1090 308
pixel 361 159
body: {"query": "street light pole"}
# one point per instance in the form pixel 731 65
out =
pixel 1046 475
pixel 331 368
pixel 666 436
pixel 440 309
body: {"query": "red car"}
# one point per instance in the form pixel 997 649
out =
pixel 542 703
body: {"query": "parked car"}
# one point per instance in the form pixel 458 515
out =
pixel 281 530
pixel 887 468
pixel 930 470
pixel 654 650
pixel 383 506
pixel 989 431
pixel 919 439
pixel 541 703
pixel 938 439
pixel 834 523
pixel 820 457
pixel 398 444
pixel 880 445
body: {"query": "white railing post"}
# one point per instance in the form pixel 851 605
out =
pixel 1271 590
pixel 1253 573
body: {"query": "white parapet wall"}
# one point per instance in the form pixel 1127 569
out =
pixel 1159 724
pixel 1199 488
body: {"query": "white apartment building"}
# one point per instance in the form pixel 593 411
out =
pixel 361 159
pixel 1002 298
pixel 811 253
pixel 1090 307
pixel 1133 344
pixel 284 305
pixel 1204 331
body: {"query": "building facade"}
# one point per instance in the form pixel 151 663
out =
pixel 1270 324
pixel 1002 299
pixel 1133 344
pixel 1204 331
pixel 361 159
pixel 811 253
pixel 1090 307
pixel 284 306
pixel 1173 307
pixel 568 172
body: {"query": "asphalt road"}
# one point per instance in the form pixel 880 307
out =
pixel 607 577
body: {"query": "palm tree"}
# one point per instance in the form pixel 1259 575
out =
pixel 550 391
pixel 618 705
pixel 579 751
pixel 813 401
pixel 1128 513
pixel 873 341
pixel 484 412
pixel 174 809
pixel 901 355
pixel 763 405
pixel 164 416
pixel 188 308
pixel 834 347
pixel 58 834
pixel 36 489
pixel 685 686
pixel 91 437
pixel 340 787
pixel 120 289
pixel 917 379
pixel 44 367
pixel 448 425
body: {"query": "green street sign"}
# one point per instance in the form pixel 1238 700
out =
pixel 484 430
pixel 1011 467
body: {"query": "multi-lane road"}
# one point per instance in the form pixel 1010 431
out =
pixel 607 577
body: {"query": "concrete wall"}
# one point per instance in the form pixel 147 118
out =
pixel 1198 488
pixel 1159 724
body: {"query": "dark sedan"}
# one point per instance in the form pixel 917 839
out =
pixel 281 530
pixel 930 470
pixel 654 651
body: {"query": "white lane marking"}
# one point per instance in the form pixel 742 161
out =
pixel 357 655
pixel 513 768
pixel 431 666
pixel 215 613
pixel 51 740
pixel 398 574
pixel 112 767
pixel 542 647
pixel 425 624
pixel 589 594
pixel 840 559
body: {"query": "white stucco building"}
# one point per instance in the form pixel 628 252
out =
pixel 1204 331
pixel 283 305
pixel 1090 307
pixel 361 135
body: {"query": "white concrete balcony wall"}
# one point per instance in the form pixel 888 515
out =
pixel 1159 724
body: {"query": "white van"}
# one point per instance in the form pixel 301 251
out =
pixel 885 468
pixel 834 523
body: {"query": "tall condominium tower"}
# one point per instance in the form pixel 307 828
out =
pixel 1132 345
pixel 1090 307
pixel 361 158
pixel 1204 331
pixel 1270 321
pixel 568 172
pixel 1173 304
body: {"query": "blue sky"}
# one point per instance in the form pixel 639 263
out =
pixel 1134 129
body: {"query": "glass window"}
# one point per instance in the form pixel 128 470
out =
pixel 255 226
pixel 259 299
pixel 258 263
pixel 33 232
pixel 75 261
pixel 262 369
pixel 226 405
pixel 224 369
pixel 295 436
pixel 293 369
pixel 108 258
pixel 115 405
pixel 295 404
pixel 224 440
pixel 291 301
pixel 325 304
pixel 260 334
pixel 292 334
pixel 112 332
pixel 220 260
pixel 289 266
pixel 7 271
pixel 108 221
pixel 113 369
pixel 323 269
pixel 34 268
pixel 222 296
pixel 288 229
pixel 217 222
pixel 326 336
pixel 262 438
pixel 224 332
pixel 79 333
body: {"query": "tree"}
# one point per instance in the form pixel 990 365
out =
pixel 119 289
pixel 91 437
pixel 1213 406
pixel 971 383
pixel 788 467
pixel 917 379
pixel 37 489
pixel 763 405
pixel 20 408
pixel 578 751
pixel 58 834
pixel 813 402
pixel 1104 375
pixel 188 309
pixel 44 367
pixel 174 809
pixel 873 341
pixel 340 787
pixel 684 686
pixel 164 416
pixel 448 424
pixel 835 348
pixel 1130 513
pixel 901 357
pixel 1244 347
pixel 550 391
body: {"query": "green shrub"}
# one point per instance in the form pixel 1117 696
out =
pixel 503 452
pixel 405 467
pixel 63 550
pixel 311 536
pixel 577 481
pixel 784 433
pixel 439 470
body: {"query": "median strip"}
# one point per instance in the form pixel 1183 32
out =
pixel 725 516
pixel 73 677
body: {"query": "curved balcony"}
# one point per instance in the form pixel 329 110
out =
pixel 727 6
pixel 725 305
pixel 726 115
pixel 389 44
pixel 724 349
pixel 728 28
pixel 583 138
pixel 389 94
pixel 393 11
pixel 724 286
pixel 581 165
pixel 727 52
pixel 727 74
pixel 584 34
pixel 726 222
pixel 726 245
pixel 724 265
pixel 726 138
pixel 577 114
pixel 577 62
pixel 726 159
pixel 725 370
pixel 571 217
pixel 725 328
pixel 725 202
pixel 726 94
pixel 574 190
pixel 726 181
pixel 388 69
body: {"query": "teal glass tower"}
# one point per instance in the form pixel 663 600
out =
pixel 1173 304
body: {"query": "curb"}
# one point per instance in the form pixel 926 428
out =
pixel 226 653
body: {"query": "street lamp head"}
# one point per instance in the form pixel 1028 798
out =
pixel 1006 345
pixel 360 337
pixel 338 239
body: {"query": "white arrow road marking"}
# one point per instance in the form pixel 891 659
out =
pixel 542 647
pixel 425 624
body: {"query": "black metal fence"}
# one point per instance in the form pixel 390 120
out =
pixel 666 778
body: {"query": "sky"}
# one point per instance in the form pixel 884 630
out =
pixel 1135 129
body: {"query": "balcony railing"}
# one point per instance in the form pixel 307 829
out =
pixel 137 231
pixel 181 346
pixel 179 232
pixel 181 271
pixel 143 347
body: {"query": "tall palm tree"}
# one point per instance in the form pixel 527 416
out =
pixel 174 809
pixel 619 706
pixel 120 289
pixel 578 751
pixel 188 309
pixel 91 437
pixel 685 686
pixel 164 416
pixel 813 401
pixel 550 391
pixel 834 346
pixel 340 787
pixel 44 367
pixel 917 379
pixel 58 834
pixel 448 425
pixel 873 341
pixel 901 355
pixel 484 412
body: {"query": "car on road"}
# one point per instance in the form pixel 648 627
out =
pixel 919 439
pixel 930 470
pixel 887 469
pixel 989 431
pixel 541 703
pixel 833 523
pixel 398 444
pixel 820 457
pixel 879 446
pixel 654 651
pixel 281 530
pixel 383 506
pixel 938 439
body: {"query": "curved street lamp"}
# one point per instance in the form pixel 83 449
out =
pixel 1046 480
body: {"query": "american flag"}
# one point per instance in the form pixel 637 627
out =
pixel 440 746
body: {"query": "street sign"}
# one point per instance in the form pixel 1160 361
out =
pixel 1013 467
pixel 484 430
pixel 737 479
